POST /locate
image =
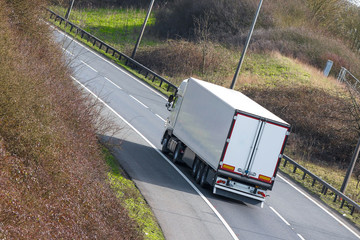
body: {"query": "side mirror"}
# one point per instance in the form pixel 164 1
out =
pixel 171 98
pixel 168 104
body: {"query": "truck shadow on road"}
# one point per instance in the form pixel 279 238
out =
pixel 143 164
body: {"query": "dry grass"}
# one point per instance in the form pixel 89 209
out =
pixel 52 177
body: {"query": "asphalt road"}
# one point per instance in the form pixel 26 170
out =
pixel 185 210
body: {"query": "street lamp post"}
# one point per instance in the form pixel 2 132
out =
pixel 351 167
pixel 67 15
pixel 246 46
pixel 142 29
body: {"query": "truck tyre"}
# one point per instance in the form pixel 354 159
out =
pixel 195 167
pixel 204 176
pixel 177 156
pixel 200 172
pixel 165 141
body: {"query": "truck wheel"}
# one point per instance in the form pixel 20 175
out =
pixel 165 141
pixel 200 172
pixel 195 167
pixel 204 176
pixel 177 156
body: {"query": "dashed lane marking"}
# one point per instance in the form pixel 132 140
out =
pixel 89 66
pixel 112 83
pixel 138 101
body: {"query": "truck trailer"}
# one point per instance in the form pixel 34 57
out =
pixel 229 141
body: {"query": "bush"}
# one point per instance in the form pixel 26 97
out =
pixel 52 174
pixel 177 19
pixel 183 58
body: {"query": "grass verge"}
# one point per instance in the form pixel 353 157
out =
pixel 132 199
pixel 154 84
pixel 118 26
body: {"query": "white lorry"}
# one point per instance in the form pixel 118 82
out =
pixel 229 141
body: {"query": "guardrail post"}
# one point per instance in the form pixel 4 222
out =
pixel 285 161
pixel 313 183
pixel 294 171
pixel 352 211
pixel 335 198
pixel 342 203
pixel 304 176
pixel 324 190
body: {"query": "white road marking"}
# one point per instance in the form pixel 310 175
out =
pixel 161 154
pixel 89 66
pixel 67 51
pixel 109 62
pixel 284 220
pixel 160 117
pixel 321 207
pixel 112 83
pixel 281 217
pixel 138 101
pixel 301 237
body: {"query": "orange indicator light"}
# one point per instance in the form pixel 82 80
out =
pixel 228 167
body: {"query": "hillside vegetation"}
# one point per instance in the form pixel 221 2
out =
pixel 52 173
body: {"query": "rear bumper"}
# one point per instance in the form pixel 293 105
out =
pixel 243 197
pixel 238 191
pixel 245 180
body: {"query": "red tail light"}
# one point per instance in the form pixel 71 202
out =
pixel 220 181
pixel 261 193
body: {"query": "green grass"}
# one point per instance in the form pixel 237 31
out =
pixel 272 70
pixel 155 84
pixel 132 200
pixel 118 27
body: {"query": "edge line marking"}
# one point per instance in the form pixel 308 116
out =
pixel 321 207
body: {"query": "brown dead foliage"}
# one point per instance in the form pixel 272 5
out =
pixel 52 176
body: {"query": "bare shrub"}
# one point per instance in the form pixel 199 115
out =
pixel 182 58
pixel 52 176
pixel 226 17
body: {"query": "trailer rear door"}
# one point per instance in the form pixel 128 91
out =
pixel 267 153
pixel 254 147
